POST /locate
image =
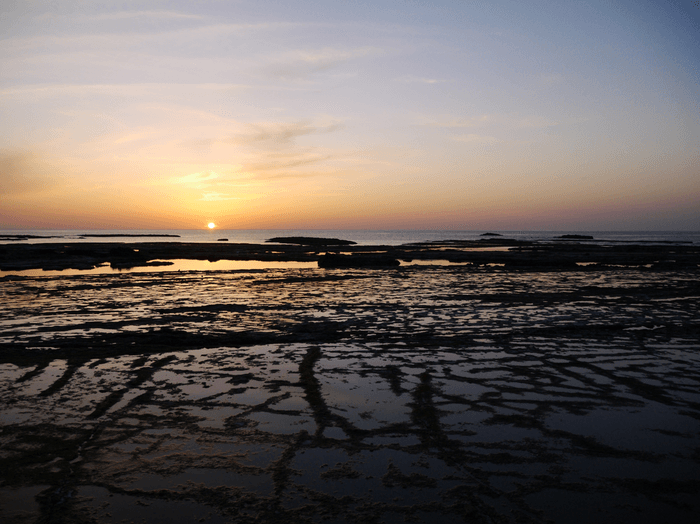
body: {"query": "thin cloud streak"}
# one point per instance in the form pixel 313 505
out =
pixel 475 139
pixel 506 121
pixel 280 133
pixel 126 89
pixel 139 14
pixel 285 163
pixel 195 178
pixel 216 197
pixel 200 35
pixel 410 79
pixel 302 63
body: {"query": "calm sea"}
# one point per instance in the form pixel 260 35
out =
pixel 361 236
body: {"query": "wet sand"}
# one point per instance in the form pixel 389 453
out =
pixel 417 394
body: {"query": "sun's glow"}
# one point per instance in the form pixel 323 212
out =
pixel 612 153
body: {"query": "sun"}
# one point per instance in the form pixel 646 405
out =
pixel 211 225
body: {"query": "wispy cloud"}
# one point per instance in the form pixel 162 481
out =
pixel 280 133
pixel 274 165
pixel 139 14
pixel 131 90
pixel 476 121
pixel 410 79
pixel 475 139
pixel 509 121
pixel 196 179
pixel 301 63
pixel 202 35
pixel 534 122
pixel 211 196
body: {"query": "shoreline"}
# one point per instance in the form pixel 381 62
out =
pixel 564 254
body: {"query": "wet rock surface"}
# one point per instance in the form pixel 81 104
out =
pixel 415 394
pixel 332 260
pixel 560 255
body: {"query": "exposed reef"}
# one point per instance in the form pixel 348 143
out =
pixel 117 235
pixel 504 252
pixel 312 241
pixel 576 237
pixel 331 260
pixel 14 238
pixel 461 393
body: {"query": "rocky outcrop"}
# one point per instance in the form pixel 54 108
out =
pixel 330 261
pixel 576 237
pixel 311 241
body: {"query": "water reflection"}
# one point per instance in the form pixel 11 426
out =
pixel 172 265
pixel 454 435
pixel 434 394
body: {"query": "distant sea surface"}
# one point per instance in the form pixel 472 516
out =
pixel 361 236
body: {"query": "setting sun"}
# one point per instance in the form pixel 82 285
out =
pixel 211 225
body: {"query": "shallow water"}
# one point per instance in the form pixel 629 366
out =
pixel 335 396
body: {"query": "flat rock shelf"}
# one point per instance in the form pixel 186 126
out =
pixel 564 254
pixel 470 393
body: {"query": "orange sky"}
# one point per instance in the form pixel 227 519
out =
pixel 382 115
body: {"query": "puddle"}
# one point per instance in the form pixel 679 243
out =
pixel 560 505
pixel 285 424
pixel 212 478
pixel 633 429
pixel 171 265
pixel 117 508
pixel 20 504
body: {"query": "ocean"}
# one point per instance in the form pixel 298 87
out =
pixel 360 236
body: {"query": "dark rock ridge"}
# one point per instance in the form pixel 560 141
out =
pixel 330 261
pixel 118 235
pixel 490 235
pixel 576 237
pixel 14 238
pixel 79 235
pixel 312 241
pixel 515 254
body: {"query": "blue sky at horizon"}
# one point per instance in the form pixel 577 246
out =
pixel 394 114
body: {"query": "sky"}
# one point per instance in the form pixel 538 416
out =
pixel 399 114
